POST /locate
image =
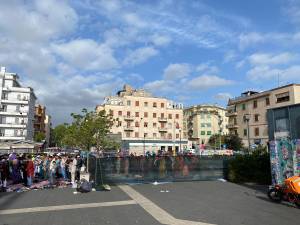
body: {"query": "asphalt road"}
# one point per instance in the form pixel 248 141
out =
pixel 212 202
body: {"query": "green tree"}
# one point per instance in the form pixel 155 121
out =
pixel 216 140
pixel 58 135
pixel 233 142
pixel 39 136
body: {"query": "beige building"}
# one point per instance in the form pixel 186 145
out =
pixel 249 111
pixel 202 121
pixel 145 123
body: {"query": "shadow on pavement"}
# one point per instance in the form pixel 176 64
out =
pixel 256 187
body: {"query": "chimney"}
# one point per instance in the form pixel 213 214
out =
pixel 3 69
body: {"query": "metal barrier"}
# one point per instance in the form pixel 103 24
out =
pixel 140 169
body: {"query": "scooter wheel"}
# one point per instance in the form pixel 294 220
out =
pixel 274 195
pixel 297 202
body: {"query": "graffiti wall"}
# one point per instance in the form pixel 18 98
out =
pixel 285 159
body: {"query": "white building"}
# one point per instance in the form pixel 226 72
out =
pixel 17 108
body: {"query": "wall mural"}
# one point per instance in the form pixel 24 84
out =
pixel 285 159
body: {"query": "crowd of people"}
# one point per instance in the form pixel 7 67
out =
pixel 28 169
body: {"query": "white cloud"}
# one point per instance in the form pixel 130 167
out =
pixel 248 39
pixel 208 81
pixel 160 86
pixel 176 71
pixel 160 40
pixel 229 56
pixel 36 20
pixel 263 73
pixel 86 54
pixel 271 59
pixel 134 20
pixel 223 96
pixel 292 10
pixel 140 55
pixel 207 68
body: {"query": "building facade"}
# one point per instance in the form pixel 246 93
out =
pixel 203 121
pixel 248 113
pixel 48 126
pixel 39 119
pixel 145 123
pixel 16 108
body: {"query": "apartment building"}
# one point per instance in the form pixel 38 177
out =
pixel 42 122
pixel 16 108
pixel 248 113
pixel 203 121
pixel 39 119
pixel 145 123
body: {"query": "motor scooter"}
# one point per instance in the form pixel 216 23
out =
pixel 289 191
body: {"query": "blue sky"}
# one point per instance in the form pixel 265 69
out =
pixel 74 53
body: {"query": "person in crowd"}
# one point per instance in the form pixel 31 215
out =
pixel 52 169
pixel 73 170
pixel 78 167
pixel 29 171
pixel 4 172
pixel 63 167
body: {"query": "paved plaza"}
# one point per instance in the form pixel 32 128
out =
pixel 205 202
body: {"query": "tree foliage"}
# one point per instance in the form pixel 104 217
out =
pixel 231 141
pixel 88 129
pixel 39 136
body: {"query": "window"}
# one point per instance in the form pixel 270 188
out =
pixel 137 114
pixel 128 103
pixel 162 105
pixel 202 132
pixel 146 104
pixel 245 132
pixel 208 116
pixel 177 116
pixel 154 115
pixel 208 132
pixel 169 136
pixel 154 104
pixel 137 103
pixel 162 115
pixel 202 116
pixel 145 135
pixel 256 117
pixel 154 124
pixel 170 116
pixel 177 136
pixel 267 101
pixel 145 124
pixel 234 121
pixel 145 114
pixel 244 106
pixel 127 134
pixel 208 125
pixel 254 104
pixel 154 135
pixel 119 124
pixel 120 113
pixel 137 124
pixel 202 124
pixel 235 132
pixel 256 131
pixel 283 97
pixel 136 134
pixel 128 113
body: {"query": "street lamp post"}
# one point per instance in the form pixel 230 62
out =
pixel 247 118
pixel 179 139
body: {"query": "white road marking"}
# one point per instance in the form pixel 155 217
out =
pixel 64 207
pixel 154 210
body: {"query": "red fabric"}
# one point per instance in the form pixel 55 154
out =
pixel 30 168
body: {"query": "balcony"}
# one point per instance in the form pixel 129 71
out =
pixel 128 128
pixel 233 126
pixel 22 101
pixel 231 113
pixel 162 119
pixel 12 125
pixel 12 113
pixel 163 129
pixel 129 118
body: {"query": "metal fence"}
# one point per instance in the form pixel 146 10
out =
pixel 140 169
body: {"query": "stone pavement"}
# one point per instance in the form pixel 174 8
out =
pixel 205 202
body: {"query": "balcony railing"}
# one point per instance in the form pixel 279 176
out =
pixel 232 126
pixel 128 117
pixel 163 129
pixel 162 119
pixel 128 128
pixel 231 113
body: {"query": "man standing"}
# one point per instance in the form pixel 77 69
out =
pixel 29 171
